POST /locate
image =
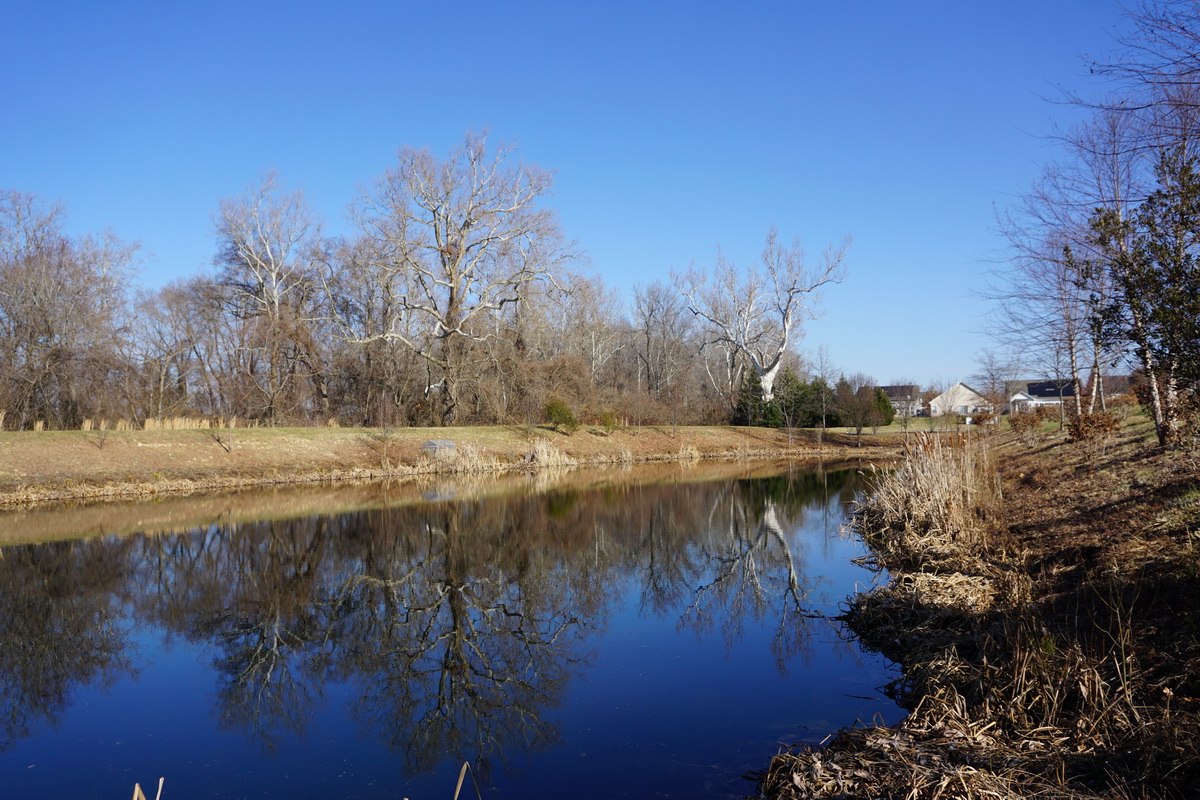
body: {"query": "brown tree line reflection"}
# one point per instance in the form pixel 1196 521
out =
pixel 458 623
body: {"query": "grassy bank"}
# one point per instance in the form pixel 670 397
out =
pixel 59 466
pixel 1044 608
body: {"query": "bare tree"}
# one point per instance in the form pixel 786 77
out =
pixel 455 242
pixel 591 322
pixel 757 311
pixel 266 238
pixel 62 314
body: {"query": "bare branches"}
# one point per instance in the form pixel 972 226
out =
pixel 456 242
pixel 756 312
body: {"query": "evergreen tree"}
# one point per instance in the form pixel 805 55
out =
pixel 753 408
pixel 1154 258
pixel 822 406
pixel 791 399
pixel 884 407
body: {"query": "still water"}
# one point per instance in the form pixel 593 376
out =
pixel 623 640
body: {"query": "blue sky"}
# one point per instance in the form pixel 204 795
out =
pixel 672 126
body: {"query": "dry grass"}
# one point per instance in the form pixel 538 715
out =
pixel 138 794
pixel 74 465
pixel 939 507
pixel 544 454
pixel 177 424
pixel 1028 671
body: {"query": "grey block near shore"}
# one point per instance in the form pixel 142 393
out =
pixel 439 448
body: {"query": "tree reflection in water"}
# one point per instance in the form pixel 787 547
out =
pixel 59 628
pixel 458 623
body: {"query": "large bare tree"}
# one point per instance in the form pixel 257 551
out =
pixel 757 311
pixel 62 315
pixel 456 241
pixel 266 238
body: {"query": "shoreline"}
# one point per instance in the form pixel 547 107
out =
pixel 1041 628
pixel 39 469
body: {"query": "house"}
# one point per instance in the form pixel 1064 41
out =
pixel 905 399
pixel 1031 395
pixel 959 399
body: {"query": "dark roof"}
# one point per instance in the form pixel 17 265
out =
pixel 903 392
pixel 1048 389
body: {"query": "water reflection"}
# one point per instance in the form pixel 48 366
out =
pixel 59 628
pixel 458 623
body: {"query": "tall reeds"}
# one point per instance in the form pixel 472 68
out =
pixel 945 496
pixel 1010 696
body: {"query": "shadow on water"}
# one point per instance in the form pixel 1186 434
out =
pixel 449 631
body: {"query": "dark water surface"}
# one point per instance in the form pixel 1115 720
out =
pixel 631 640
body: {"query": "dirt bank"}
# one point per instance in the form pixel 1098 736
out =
pixel 58 466
pixel 1048 638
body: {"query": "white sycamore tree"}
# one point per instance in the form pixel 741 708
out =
pixel 757 311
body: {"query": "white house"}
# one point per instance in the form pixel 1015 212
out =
pixel 1031 395
pixel 905 399
pixel 959 399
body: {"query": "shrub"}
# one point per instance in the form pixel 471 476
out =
pixel 608 421
pixel 1026 426
pixel 1122 406
pixel 1093 431
pixel 560 415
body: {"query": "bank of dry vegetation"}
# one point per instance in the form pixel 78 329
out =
pixel 63 466
pixel 1044 607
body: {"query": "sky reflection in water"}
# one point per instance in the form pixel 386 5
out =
pixel 631 640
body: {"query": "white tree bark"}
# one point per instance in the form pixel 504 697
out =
pixel 758 311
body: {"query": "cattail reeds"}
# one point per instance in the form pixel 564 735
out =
pixel 138 794
pixel 545 454
pixel 175 424
pixel 943 500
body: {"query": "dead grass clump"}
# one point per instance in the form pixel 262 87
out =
pixel 919 615
pixel 938 753
pixel 175 424
pixel 138 794
pixel 469 459
pixel 939 507
pixel 688 454
pixel 544 454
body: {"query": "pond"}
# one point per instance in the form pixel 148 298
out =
pixel 618 637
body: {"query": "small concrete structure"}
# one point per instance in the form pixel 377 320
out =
pixel 439 448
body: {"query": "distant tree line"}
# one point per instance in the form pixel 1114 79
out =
pixel 458 299
pixel 1104 273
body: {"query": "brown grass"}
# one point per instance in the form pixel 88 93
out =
pixel 1048 642
pixel 62 466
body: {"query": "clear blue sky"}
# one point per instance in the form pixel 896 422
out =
pixel 673 127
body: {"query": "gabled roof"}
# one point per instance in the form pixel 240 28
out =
pixel 1045 389
pixel 903 392
pixel 955 391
